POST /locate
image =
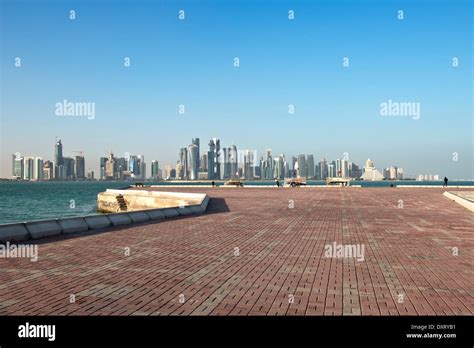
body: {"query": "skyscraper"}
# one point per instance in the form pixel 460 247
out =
pixel 302 167
pixel 310 164
pixel 28 168
pixel 183 160
pixel 154 170
pixel 225 164
pixel 214 159
pixel 58 159
pixel 323 167
pixel 279 167
pixel 142 167
pixel 18 167
pixel 110 167
pixel 102 162
pixel 48 170
pixel 210 160
pixel 38 170
pixel 249 163
pixel 69 165
pixel 196 142
pixel 134 165
pixel 80 167
pixel 193 151
pixel 234 161
pixel 344 168
pixel 204 163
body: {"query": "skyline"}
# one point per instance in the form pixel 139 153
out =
pixel 280 166
pixel 283 62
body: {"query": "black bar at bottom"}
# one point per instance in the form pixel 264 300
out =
pixel 135 331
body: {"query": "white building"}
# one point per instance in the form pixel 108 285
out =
pixel 370 173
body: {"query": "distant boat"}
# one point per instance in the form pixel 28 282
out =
pixel 338 181
pixel 234 182
pixel 295 182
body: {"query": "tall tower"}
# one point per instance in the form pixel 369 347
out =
pixel 193 152
pixel 233 159
pixel 196 142
pixel 58 159
pixel 210 160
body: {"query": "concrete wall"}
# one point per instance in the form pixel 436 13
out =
pixel 19 232
pixel 141 199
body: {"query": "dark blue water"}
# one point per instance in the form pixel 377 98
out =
pixel 26 201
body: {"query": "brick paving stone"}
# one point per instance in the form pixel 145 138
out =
pixel 188 266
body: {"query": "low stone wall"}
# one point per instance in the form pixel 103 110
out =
pixel 136 200
pixel 466 203
pixel 19 232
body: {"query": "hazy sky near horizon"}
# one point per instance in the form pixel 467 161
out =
pixel 190 62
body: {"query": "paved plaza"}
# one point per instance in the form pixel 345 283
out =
pixel 261 251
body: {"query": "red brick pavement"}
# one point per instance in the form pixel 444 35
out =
pixel 190 265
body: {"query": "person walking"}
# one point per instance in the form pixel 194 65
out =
pixel 445 182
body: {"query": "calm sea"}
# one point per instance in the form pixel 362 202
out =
pixel 26 201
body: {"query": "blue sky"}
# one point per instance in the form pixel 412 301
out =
pixel 282 62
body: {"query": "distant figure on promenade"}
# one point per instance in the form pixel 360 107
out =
pixel 213 183
pixel 445 182
pixel 278 183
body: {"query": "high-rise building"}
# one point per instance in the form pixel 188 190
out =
pixel 317 171
pixel 332 169
pixel 302 167
pixel 18 167
pixel 69 166
pixel 154 170
pixel 193 152
pixel 142 167
pixel 110 167
pixel 214 160
pixel 121 168
pixel 279 167
pixel 170 172
pixel 28 168
pixel 58 159
pixel 400 174
pixel 286 166
pixel 196 142
pixel 234 161
pixel 225 164
pixel 354 171
pixel 48 170
pixel 183 160
pixel 323 169
pixel 393 173
pixel 134 165
pixel 310 164
pixel 204 163
pixel 80 167
pixel 102 162
pixel 249 164
pixel 266 166
pixel 344 168
pixel 370 172
pixel 38 171
pixel 90 175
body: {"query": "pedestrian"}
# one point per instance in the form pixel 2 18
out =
pixel 445 182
